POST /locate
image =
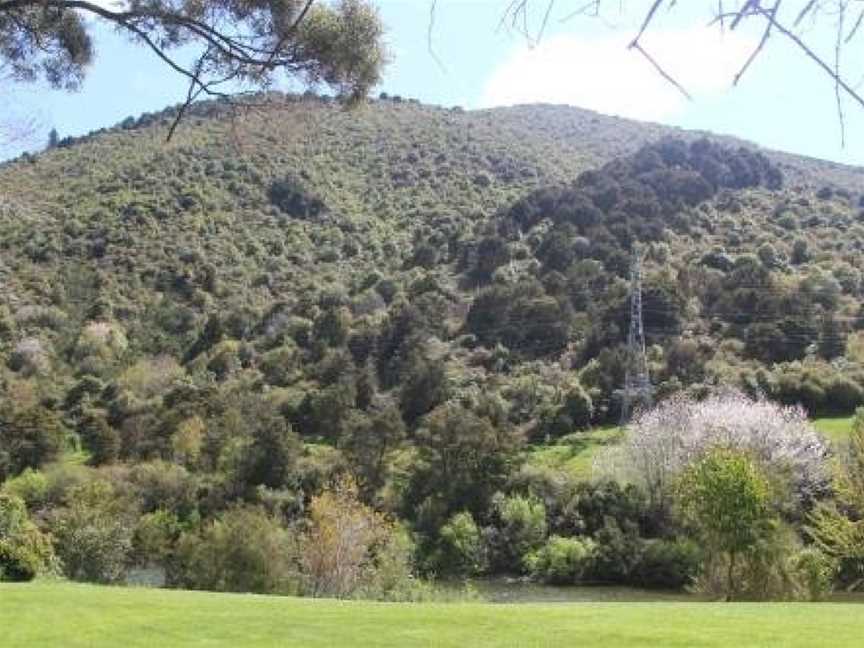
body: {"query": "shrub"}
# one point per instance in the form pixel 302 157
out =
pixel 243 550
pixel 461 548
pixel 519 529
pixel 94 533
pixel 667 564
pixel 619 550
pixel 562 561
pixel 25 552
pixel 343 541
pixel 31 486
pixel 574 413
pixel 290 196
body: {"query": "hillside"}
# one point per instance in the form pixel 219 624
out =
pixel 124 247
pixel 414 295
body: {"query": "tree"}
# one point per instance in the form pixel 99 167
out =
pixel 340 542
pixel 94 533
pixel 270 457
pixel 726 499
pixel 234 43
pixel 102 440
pixel 464 460
pixel 837 527
pixel 368 443
pixel 243 550
pixel 24 550
pixel 663 442
pixel 28 438
pixel 53 138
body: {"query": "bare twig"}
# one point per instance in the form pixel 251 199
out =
pixel 855 28
pixel 635 45
pixel 838 47
pixel 432 10
pixel 765 36
pixel 841 83
pixel 804 11
pixel 649 17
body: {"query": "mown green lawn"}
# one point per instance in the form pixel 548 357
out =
pixel 46 614
pixel 836 428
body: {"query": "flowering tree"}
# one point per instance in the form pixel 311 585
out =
pixel 662 442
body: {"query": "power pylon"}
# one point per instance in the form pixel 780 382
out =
pixel 638 392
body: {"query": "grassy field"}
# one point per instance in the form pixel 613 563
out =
pixel 575 452
pixel 836 428
pixel 46 614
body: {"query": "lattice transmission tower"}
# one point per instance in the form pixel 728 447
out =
pixel 638 392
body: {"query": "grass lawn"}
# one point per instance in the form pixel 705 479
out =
pixel 835 428
pixel 47 614
pixel 575 452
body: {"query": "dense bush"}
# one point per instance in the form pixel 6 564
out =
pixel 243 550
pixel 668 564
pixel 461 547
pixel 562 561
pixel 25 552
pixel 29 438
pixel 94 533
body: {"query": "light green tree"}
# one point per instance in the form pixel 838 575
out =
pixel 726 499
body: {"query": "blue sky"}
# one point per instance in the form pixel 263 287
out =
pixel 783 102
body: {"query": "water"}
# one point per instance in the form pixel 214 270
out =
pixel 511 590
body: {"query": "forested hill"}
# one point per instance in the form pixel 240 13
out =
pixel 330 268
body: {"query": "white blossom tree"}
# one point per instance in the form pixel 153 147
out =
pixel 662 442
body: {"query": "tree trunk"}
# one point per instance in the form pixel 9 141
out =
pixel 730 578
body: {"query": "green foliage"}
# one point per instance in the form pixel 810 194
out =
pixel 461 547
pixel 399 293
pixel 94 533
pixel 562 561
pixel 727 500
pixel 463 460
pixel 25 552
pixel 291 198
pixel 243 550
pixel 837 527
pixel 28 438
pixel 100 439
pixel 518 529
pixel 31 486
pixel 339 44
pixel 668 564
pixel 574 413
pixel 270 457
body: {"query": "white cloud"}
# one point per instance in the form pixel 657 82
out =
pixel 603 75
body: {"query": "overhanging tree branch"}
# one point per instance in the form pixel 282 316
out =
pixel 238 42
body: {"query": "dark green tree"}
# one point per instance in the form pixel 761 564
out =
pixel 102 440
pixel 28 439
pixel 270 457
pixel 464 460
pixel 230 42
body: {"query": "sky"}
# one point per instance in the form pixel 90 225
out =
pixel 783 101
